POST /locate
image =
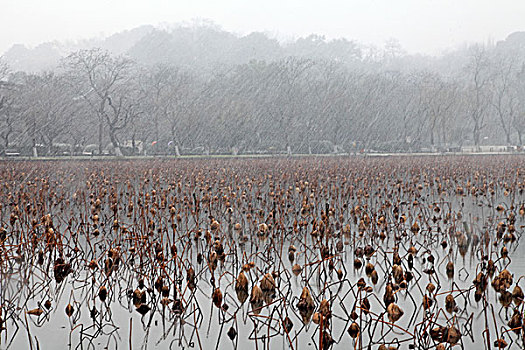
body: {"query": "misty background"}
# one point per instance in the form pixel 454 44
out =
pixel 198 88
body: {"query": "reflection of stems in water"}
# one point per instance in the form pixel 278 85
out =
pixel 220 330
pixel 487 331
pixel 130 329
pixel 495 324
pixel 379 319
pixel 284 327
pixel 146 329
pixel 197 331
pixel 321 324
pixel 29 333
pixel 81 326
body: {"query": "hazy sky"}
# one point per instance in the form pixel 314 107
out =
pixel 420 25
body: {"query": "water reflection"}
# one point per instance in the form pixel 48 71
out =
pixel 344 253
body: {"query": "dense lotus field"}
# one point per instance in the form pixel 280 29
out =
pixel 269 253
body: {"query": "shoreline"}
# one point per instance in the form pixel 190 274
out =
pixel 255 156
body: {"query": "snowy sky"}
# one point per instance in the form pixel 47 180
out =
pixel 426 26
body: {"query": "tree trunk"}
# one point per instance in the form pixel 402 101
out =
pixel 50 148
pixel 476 135
pixel 443 132
pixel 35 152
pixel 100 128
pixel 114 142
pixel 156 127
pixel 133 144
pixel 7 134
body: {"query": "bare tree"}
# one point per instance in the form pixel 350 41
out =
pixel 7 106
pixel 504 98
pixel 477 92
pixel 48 107
pixel 439 98
pixel 172 95
pixel 377 101
pixel 518 121
pixel 108 85
pixel 320 98
pixel 328 94
pixel 287 78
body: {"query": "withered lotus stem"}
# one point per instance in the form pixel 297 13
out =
pixel 37 312
pixel 450 269
pixel 232 333
pixel 504 252
pixel 215 225
pixel 354 316
pixel 143 309
pixel 241 282
pixel 388 298
pixel 369 250
pixel 217 298
pixel 306 302
pixel 138 297
pixel 165 301
pixel 287 324
pixel 516 321
pixel 324 308
pixel 268 283
pixel 256 299
pixel 374 277
pixel 517 293
pixel 453 335
pixel 394 312
pixel 353 330
pixel 505 298
pixel 427 302
pixel 397 273
pixel 500 343
pixel 93 264
pixel 256 295
pixel 369 268
pixel 450 303
pixel 69 310
pixel 102 293
pixel 358 263
pixel 365 305
pixel 263 228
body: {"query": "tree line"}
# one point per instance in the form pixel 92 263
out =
pixel 97 102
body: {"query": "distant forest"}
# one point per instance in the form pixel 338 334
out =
pixel 198 89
